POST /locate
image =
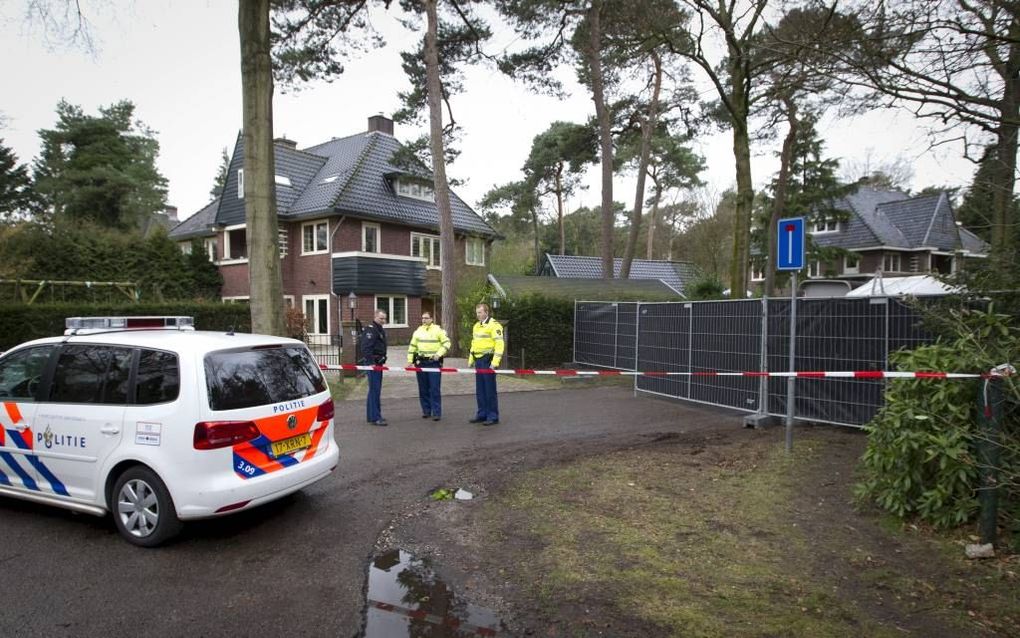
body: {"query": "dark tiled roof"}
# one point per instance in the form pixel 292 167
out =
pixel 924 221
pixel 973 244
pixel 865 228
pixel 675 274
pixel 575 288
pixel 347 176
pixel 369 193
pixel 198 224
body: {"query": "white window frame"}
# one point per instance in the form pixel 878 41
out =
pixel 434 244
pixel 240 183
pixel 314 226
pixel 415 190
pixel 211 245
pixel 814 269
pixel 467 251
pixel 378 237
pixel 288 301
pixel 852 270
pixel 826 226
pixel 313 322
pixel 235 299
pixel 758 272
pixel 389 310
pixel 283 236
pixel 892 258
pixel 185 247
pixel 226 245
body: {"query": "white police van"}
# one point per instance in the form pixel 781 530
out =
pixel 158 423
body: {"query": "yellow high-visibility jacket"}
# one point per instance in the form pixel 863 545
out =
pixel 487 338
pixel 428 341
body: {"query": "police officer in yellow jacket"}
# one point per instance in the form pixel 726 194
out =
pixel 486 352
pixel 428 345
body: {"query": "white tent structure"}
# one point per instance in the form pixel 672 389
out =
pixel 897 286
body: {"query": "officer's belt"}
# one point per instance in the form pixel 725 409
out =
pixel 484 352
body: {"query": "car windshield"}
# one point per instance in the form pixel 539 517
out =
pixel 260 376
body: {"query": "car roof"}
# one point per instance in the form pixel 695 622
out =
pixel 180 341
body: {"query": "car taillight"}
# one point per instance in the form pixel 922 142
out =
pixel 210 435
pixel 326 411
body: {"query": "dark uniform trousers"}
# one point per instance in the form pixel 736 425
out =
pixel 485 390
pixel 430 389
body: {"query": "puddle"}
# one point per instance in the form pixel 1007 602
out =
pixel 406 598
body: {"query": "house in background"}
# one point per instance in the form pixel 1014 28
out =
pixel 676 276
pixel 890 232
pixel 350 220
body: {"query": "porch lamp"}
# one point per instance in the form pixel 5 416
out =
pixel 494 299
pixel 352 303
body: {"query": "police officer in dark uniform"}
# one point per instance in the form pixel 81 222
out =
pixel 373 353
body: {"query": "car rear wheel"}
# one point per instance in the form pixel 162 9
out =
pixel 143 511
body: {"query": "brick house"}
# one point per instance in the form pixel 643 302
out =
pixel 350 221
pixel 890 232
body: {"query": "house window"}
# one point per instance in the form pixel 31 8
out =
pixel 825 226
pixel 288 301
pixel 474 251
pixel 211 248
pixel 185 247
pixel 316 308
pixel 370 234
pixel 891 262
pixel 315 238
pixel 240 183
pixel 395 309
pixel 428 247
pixel 284 235
pixel 757 272
pixel 282 180
pixel 851 264
pixel 236 243
pixel 415 190
pixel 239 299
pixel 815 269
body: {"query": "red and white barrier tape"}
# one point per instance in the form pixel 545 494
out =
pixel 850 374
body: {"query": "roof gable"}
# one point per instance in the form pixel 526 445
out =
pixel 198 225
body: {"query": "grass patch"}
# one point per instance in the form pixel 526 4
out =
pixel 340 388
pixel 662 541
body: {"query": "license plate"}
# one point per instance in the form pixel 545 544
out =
pixel 291 445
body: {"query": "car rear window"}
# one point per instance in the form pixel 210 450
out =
pixel 260 376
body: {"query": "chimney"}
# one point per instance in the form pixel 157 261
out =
pixel 380 123
pixel 171 213
pixel 283 141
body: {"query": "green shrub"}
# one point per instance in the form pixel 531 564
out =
pixel 921 460
pixel 20 323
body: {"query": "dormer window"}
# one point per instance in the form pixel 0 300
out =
pixel 414 190
pixel 282 180
pixel 825 226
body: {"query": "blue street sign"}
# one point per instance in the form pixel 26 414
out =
pixel 791 244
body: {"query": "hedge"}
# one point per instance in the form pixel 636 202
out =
pixel 20 323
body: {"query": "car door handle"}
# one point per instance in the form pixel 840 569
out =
pixel 110 429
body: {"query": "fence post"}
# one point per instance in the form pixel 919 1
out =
pixel 989 448
pixel 616 336
pixel 637 343
pixel 790 393
pixel 575 333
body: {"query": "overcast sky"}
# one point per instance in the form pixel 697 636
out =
pixel 178 61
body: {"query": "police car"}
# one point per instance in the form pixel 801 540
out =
pixel 158 423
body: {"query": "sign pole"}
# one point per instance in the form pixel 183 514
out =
pixel 790 394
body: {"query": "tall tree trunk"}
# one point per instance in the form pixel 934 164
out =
pixel 647 128
pixel 653 219
pixel 1004 232
pixel 559 207
pixel 265 279
pixel 605 134
pixel 782 188
pixel 442 186
pixel 538 245
pixel 745 188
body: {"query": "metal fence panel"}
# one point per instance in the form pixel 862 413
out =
pixel 604 334
pixel 727 336
pixel 325 348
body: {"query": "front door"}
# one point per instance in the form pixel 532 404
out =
pixel 79 425
pixel 21 376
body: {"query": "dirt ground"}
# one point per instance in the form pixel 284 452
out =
pixel 702 534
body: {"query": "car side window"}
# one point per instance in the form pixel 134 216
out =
pixel 21 373
pixel 159 377
pixel 92 374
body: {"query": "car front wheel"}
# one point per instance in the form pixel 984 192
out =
pixel 142 508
